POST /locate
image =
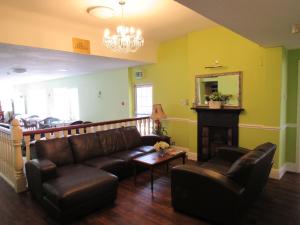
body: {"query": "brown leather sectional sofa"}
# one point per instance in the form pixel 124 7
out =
pixel 72 176
pixel 222 188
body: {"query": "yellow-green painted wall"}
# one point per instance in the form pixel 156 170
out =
pixel 292 100
pixel 173 79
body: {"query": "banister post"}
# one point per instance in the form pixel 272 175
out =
pixel 16 139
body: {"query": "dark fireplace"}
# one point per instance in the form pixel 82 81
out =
pixel 216 128
pixel 214 137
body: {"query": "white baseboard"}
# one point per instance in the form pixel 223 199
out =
pixel 287 167
pixel 292 167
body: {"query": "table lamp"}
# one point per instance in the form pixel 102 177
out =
pixel 156 116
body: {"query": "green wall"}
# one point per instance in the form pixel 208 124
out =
pixel 173 79
pixel 114 90
pixel 292 92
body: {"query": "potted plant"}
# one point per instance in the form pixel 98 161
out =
pixel 161 147
pixel 216 99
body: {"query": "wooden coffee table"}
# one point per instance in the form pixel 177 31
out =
pixel 154 159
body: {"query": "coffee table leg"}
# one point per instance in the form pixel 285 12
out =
pixel 134 171
pixel 151 173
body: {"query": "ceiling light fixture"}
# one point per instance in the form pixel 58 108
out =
pixel 19 70
pixel 127 39
pixel 102 12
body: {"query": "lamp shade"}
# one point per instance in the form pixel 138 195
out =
pixel 157 112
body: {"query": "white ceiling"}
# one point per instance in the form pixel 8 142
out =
pixel 160 20
pixel 44 64
pixel 266 22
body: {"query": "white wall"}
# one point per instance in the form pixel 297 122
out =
pixel 114 88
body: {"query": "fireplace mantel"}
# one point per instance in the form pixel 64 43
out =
pixel 227 109
pixel 216 127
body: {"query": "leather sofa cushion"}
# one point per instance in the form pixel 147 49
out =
pixel 78 183
pixel 131 136
pixel 146 149
pixel 85 146
pixel 106 163
pixel 218 165
pixel 127 155
pixel 56 150
pixel 111 141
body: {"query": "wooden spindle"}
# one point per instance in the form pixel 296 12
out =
pixel 73 132
pixel 48 136
pixel 144 127
pixel 139 125
pixel 27 146
pixel 65 133
pixel 37 137
pixel 89 130
pixel 81 130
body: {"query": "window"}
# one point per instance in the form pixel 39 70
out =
pixel 65 103
pixel 143 100
pixel 37 102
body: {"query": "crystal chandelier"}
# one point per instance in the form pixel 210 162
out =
pixel 127 39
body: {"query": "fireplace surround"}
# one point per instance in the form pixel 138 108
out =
pixel 216 128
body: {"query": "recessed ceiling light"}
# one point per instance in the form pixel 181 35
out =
pixel 19 70
pixel 102 12
pixel 63 70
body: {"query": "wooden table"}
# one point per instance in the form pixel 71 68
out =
pixel 153 160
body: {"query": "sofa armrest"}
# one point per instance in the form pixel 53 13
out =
pixel 152 139
pixel 231 154
pixel 205 177
pixel 205 193
pixel 38 171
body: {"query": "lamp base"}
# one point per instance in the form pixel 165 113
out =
pixel 158 129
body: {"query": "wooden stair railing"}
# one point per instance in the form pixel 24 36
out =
pixel 143 124
pixel 11 160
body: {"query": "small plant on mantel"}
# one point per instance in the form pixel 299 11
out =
pixel 216 99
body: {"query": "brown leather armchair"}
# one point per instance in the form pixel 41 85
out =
pixel 222 188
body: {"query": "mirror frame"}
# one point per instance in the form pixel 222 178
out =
pixel 239 73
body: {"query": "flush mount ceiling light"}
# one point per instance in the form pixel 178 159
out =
pixel 127 39
pixel 19 70
pixel 102 12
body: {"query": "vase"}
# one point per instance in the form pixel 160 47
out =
pixel 162 152
pixel 215 104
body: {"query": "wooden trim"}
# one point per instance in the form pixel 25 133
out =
pixel 51 130
pixel 240 73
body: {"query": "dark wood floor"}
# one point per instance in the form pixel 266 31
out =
pixel 278 205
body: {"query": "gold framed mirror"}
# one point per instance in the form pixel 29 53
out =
pixel 229 84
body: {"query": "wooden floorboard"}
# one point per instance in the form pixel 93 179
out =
pixel 279 204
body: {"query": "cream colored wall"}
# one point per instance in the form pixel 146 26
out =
pixel 39 30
